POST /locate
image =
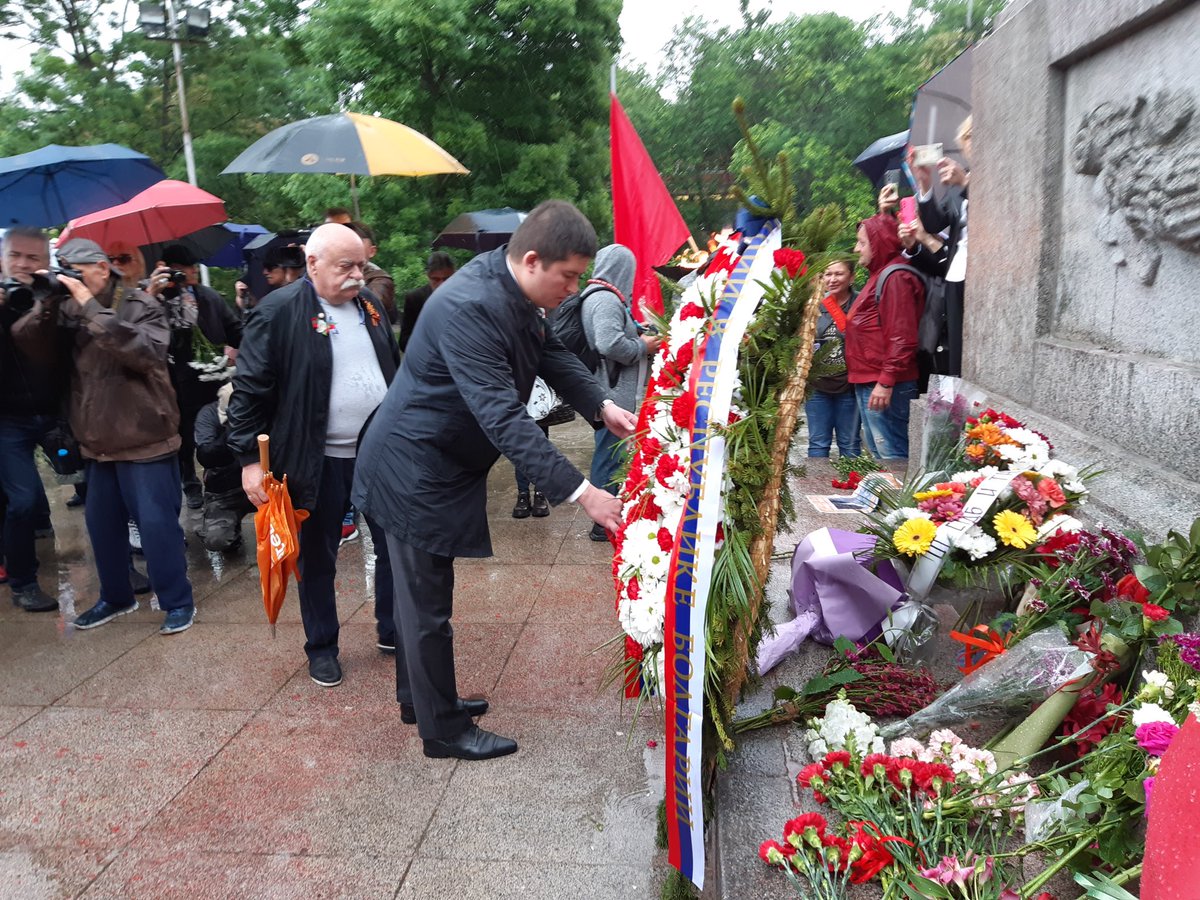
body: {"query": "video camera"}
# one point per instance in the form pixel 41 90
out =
pixel 177 280
pixel 21 297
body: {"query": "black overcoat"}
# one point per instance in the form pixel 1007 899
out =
pixel 284 368
pixel 457 403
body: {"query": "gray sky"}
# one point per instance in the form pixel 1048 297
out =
pixel 647 25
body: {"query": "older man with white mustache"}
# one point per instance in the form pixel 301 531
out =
pixel 316 359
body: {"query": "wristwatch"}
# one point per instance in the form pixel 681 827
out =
pixel 607 401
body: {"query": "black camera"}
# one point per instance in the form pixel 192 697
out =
pixel 647 328
pixel 20 297
pixel 176 281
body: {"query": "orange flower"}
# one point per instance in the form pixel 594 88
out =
pixel 990 434
pixel 976 452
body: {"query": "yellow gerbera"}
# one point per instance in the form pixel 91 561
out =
pixel 1014 529
pixel 932 495
pixel 914 536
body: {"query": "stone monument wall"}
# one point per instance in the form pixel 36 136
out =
pixel 1083 283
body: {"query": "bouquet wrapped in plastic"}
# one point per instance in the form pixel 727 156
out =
pixel 1009 684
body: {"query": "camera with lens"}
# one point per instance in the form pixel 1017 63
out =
pixel 647 328
pixel 20 297
pixel 176 281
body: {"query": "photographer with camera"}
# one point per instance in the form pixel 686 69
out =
pixel 191 306
pixel 124 415
pixel 29 403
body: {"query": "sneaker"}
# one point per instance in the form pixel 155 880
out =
pixel 178 620
pixel 102 613
pixel 522 510
pixel 387 644
pixel 34 599
pixel 135 537
pixel 541 508
pixel 349 533
pixel 325 671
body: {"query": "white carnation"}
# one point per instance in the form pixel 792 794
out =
pixel 1151 712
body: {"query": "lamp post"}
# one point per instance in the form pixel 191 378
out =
pixel 162 22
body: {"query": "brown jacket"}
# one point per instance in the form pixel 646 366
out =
pixel 379 282
pixel 122 406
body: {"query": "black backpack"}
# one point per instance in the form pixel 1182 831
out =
pixel 933 353
pixel 567 322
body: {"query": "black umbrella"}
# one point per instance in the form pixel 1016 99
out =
pixel 484 230
pixel 255 254
pixel 884 154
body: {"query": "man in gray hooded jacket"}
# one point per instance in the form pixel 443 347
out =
pixel 625 353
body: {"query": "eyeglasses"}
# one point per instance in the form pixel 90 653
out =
pixel 123 260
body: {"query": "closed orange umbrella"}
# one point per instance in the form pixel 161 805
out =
pixel 277 529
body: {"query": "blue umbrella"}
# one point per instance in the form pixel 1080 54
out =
pixel 219 246
pixel 230 254
pixel 884 154
pixel 55 184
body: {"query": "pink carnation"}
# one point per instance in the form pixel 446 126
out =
pixel 1155 737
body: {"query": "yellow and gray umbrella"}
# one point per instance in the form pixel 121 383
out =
pixel 346 144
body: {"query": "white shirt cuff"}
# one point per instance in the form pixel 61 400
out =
pixel 578 492
pixel 924 198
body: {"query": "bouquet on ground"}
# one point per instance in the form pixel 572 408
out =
pixel 1008 496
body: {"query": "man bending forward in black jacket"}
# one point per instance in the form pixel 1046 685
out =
pixel 456 405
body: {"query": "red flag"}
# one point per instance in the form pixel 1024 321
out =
pixel 644 216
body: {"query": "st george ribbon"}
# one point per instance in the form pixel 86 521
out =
pixel 690 578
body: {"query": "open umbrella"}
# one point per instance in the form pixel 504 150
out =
pixel 163 212
pixel 883 154
pixel 346 144
pixel 277 532
pixel 47 187
pixel 484 230
pixel 940 106
pixel 214 245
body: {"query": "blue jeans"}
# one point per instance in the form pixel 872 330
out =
pixel 606 461
pixel 830 413
pixel 886 431
pixel 148 493
pixel 22 485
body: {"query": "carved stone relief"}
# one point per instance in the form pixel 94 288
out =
pixel 1146 164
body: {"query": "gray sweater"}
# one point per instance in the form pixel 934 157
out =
pixel 611 331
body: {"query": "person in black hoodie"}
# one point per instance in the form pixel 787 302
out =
pixel 29 402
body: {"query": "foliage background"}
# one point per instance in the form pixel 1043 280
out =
pixel 516 91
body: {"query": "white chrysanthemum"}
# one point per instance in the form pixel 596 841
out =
pixel 975 542
pixel 965 477
pixel 897 516
pixel 1151 712
pixel 1157 683
pixel 641 621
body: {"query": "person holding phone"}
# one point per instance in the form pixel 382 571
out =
pixel 948 215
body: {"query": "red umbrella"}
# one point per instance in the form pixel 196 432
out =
pixel 162 212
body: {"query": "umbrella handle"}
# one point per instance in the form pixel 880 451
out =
pixel 264 452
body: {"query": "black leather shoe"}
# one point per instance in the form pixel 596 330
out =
pixel 325 671
pixel 473 708
pixel 522 509
pixel 474 743
pixel 598 533
pixel 541 508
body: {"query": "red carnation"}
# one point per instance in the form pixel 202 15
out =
pixel 685 356
pixel 651 448
pixel 791 260
pixel 665 468
pixel 633 589
pixel 1154 612
pixel 665 541
pixel 843 848
pixel 1129 588
pixel 766 846
pixel 1049 548
pixel 650 509
pixel 841 757
pixel 692 311
pixel 683 409
pixel 808 773
pixel 873 760
pixel 801 822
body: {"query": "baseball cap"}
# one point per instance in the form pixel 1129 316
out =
pixel 81 250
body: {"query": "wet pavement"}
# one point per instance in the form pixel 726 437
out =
pixel 207 764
